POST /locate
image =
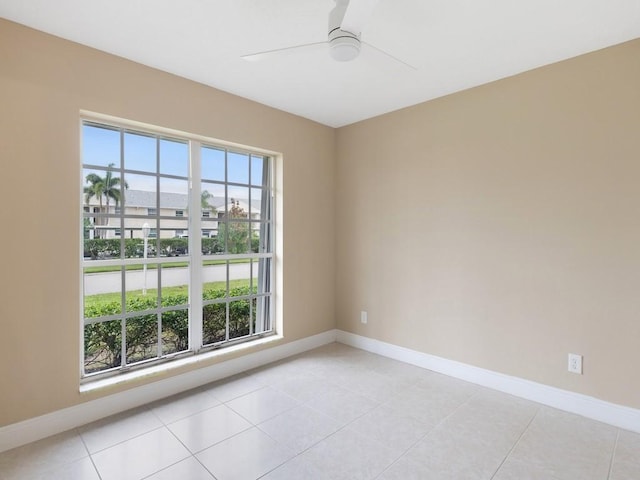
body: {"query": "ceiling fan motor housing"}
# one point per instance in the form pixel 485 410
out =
pixel 343 45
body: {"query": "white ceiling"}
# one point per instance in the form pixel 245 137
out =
pixel 453 44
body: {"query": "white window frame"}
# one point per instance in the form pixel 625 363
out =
pixel 195 225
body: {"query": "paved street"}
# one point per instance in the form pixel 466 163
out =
pixel 111 282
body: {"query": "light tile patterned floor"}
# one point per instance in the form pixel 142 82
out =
pixel 335 413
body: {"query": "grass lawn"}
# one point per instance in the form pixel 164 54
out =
pixel 93 300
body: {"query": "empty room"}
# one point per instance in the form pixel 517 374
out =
pixel 320 239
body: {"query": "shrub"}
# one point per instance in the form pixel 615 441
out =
pixel 98 248
pixel 102 248
pixel 103 340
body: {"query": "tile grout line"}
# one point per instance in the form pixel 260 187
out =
pixel 191 455
pixel 428 433
pixel 95 467
pixel 613 454
pixel 515 444
pixel 254 425
pixel 127 439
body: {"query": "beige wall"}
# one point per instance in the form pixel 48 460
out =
pixel 44 82
pixel 500 226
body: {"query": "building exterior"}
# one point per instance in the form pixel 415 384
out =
pixel 170 220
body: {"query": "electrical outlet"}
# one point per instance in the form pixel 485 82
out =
pixel 575 363
pixel 363 317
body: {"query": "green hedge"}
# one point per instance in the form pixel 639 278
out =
pixel 103 341
pixel 98 248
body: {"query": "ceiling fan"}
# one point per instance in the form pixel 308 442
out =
pixel 346 22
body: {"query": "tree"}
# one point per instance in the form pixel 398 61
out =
pixel 205 198
pixel 107 187
pixel 236 233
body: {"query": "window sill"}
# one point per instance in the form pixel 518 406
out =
pixel 92 386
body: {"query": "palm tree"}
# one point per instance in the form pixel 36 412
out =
pixel 112 187
pixel 205 196
pixel 108 187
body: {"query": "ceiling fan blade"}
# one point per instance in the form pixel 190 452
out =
pixel 381 53
pixel 283 52
pixel 357 15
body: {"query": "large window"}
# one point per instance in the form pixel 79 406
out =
pixel 158 285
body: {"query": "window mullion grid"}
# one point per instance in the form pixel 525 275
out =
pixel 227 309
pixel 226 206
pixel 194 223
pixel 226 239
pixel 158 267
pixel 258 260
pixel 269 185
pixel 250 281
pixel 123 275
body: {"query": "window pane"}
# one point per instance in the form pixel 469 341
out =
pixel 175 281
pixel 257 164
pixel 140 152
pixel 175 331
pixel 237 167
pixel 255 237
pixel 261 315
pixel 141 284
pixel 102 190
pixel 214 275
pixel 142 338
pixel 258 196
pixel 255 269
pixel 238 204
pixel 237 237
pixel 213 164
pixel 264 276
pixel 133 233
pixel 239 318
pixel 102 291
pixel 175 239
pixel 102 346
pixel 210 238
pixel 140 193
pixel 212 198
pixel 142 232
pixel 174 196
pixel 100 146
pixel 214 323
pixel 174 158
pixel 101 239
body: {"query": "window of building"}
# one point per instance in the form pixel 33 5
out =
pixel 137 311
pixel 206 214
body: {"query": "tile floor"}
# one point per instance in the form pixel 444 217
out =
pixel 335 413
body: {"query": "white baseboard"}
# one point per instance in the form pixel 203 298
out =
pixel 33 429
pixel 590 407
pixel 36 428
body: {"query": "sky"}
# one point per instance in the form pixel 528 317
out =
pixel 101 147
